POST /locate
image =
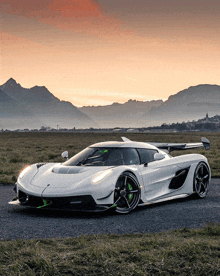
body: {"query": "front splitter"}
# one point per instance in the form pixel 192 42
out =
pixel 98 208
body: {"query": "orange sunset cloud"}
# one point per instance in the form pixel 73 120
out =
pixel 78 16
pixel 76 8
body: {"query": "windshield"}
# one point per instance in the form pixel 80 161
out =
pixel 104 157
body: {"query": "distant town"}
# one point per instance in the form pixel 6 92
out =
pixel 202 125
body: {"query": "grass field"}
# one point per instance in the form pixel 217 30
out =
pixel 177 252
pixel 19 149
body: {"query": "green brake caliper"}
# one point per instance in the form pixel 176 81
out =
pixel 130 196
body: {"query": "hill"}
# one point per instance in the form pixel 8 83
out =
pixel 129 114
pixel 31 108
pixel 190 104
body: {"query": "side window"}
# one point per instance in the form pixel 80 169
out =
pixel 146 155
pixel 131 156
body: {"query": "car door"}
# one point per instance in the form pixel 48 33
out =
pixel 156 175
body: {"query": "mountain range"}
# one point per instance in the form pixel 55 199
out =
pixel 35 107
pixel 130 114
pixel 189 104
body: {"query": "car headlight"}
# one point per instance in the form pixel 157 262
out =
pixel 100 176
pixel 24 172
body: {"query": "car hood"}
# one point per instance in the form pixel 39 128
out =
pixel 59 176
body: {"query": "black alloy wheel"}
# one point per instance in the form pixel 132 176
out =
pixel 201 180
pixel 127 193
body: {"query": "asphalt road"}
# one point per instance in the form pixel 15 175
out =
pixel 21 222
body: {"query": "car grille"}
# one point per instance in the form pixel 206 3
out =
pixel 73 202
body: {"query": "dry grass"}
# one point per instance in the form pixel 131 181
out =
pixel 19 149
pixel 178 252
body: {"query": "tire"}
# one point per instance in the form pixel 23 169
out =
pixel 201 180
pixel 127 193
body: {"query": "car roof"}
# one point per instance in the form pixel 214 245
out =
pixel 128 144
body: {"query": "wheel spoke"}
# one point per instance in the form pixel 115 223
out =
pixel 201 168
pixel 124 185
pixel 132 191
pixel 204 186
pixel 127 202
pixel 118 200
pixel 198 187
pixel 206 176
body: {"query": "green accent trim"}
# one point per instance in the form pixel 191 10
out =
pixel 45 204
pixel 103 151
pixel 114 205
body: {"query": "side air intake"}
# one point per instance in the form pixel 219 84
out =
pixel 179 179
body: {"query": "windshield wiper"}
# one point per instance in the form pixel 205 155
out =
pixel 93 157
pixel 82 162
pixel 94 162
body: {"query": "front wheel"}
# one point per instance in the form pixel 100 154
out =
pixel 127 193
pixel 201 180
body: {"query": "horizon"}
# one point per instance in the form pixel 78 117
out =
pixel 97 52
pixel 159 126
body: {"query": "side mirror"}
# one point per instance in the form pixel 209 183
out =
pixel 65 154
pixel 158 156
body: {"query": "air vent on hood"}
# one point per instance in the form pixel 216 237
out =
pixel 66 170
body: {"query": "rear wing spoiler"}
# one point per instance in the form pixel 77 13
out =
pixel 176 146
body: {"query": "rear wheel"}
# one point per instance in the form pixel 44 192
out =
pixel 127 193
pixel 201 180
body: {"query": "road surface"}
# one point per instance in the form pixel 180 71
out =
pixel 17 222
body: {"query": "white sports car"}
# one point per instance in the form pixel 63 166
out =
pixel 119 175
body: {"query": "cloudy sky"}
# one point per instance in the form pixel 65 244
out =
pixel 96 52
